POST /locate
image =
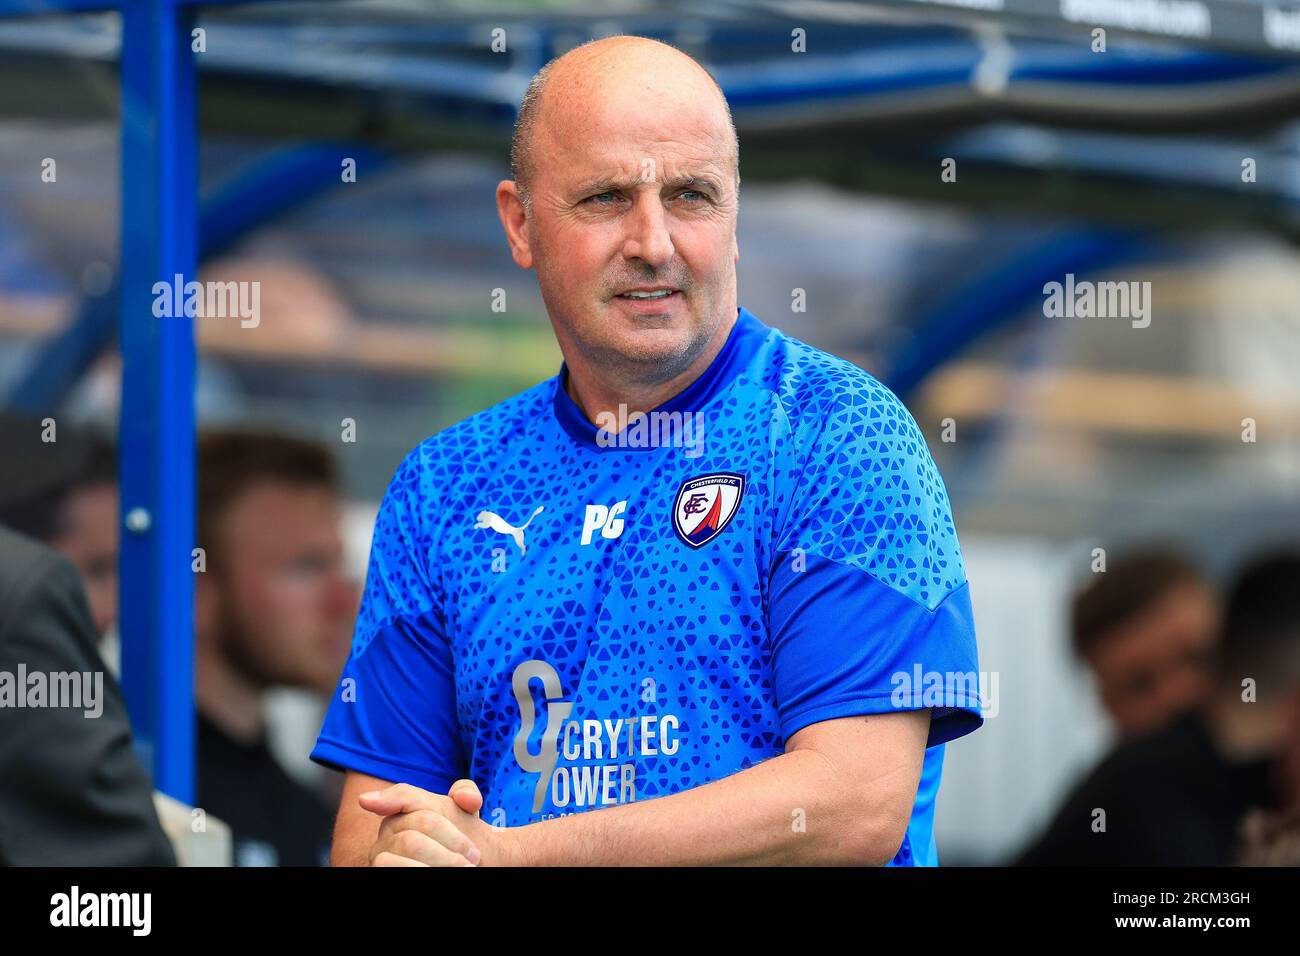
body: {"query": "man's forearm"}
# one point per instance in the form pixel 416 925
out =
pixel 792 809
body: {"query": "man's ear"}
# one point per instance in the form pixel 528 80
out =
pixel 514 218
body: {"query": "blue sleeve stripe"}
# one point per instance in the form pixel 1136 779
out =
pixel 401 711
pixel 844 643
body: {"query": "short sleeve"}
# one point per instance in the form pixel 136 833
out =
pixel 393 715
pixel 869 609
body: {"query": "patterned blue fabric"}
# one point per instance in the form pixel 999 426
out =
pixel 575 620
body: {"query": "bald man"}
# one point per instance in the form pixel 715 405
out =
pixel 697 599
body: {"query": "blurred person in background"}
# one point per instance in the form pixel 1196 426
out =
pixel 1272 837
pixel 1146 630
pixel 63 492
pixel 273 608
pixel 1180 796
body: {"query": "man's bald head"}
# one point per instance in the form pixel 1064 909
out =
pixel 563 79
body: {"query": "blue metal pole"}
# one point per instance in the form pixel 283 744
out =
pixel 29 8
pixel 159 226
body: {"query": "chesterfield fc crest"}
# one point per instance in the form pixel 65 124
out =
pixel 705 506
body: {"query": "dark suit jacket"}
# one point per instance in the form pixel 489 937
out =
pixel 1171 799
pixel 72 790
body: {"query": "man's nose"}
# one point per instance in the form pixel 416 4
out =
pixel 648 236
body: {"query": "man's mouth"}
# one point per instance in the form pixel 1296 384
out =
pixel 648 295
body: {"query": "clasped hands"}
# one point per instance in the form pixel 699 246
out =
pixel 421 828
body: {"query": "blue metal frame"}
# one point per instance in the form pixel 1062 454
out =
pixel 159 230
pixel 1000 294
pixel 159 236
pixel 156 440
pixel 28 8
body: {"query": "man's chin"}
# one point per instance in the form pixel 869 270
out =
pixel 652 346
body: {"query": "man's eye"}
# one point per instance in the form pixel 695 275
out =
pixel 692 192
pixel 599 196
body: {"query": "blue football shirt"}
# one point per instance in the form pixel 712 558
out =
pixel 577 615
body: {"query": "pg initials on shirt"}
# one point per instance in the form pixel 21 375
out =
pixel 602 519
